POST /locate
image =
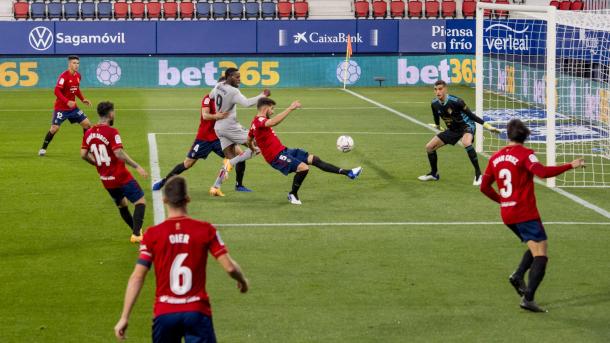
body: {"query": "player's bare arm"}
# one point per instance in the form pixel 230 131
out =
pixel 134 286
pixel 85 155
pixel 234 271
pixel 205 113
pixel 122 155
pixel 280 117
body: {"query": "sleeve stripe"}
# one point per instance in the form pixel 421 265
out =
pixel 144 263
pixel 146 253
pixel 220 252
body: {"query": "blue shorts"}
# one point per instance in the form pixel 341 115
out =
pixel 532 230
pixel 194 327
pixel 201 149
pixel 288 160
pixel 74 116
pixel 131 190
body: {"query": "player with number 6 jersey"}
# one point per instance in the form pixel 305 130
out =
pixel 102 147
pixel 513 169
pixel 178 248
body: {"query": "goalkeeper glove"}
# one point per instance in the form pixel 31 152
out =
pixel 438 127
pixel 491 128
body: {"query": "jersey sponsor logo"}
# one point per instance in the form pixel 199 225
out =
pixel 533 158
pixel 40 38
pixel 173 300
pixel 117 139
pixel 206 101
pixel 61 81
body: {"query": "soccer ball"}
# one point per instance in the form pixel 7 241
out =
pixel 108 72
pixel 345 143
pixel 353 72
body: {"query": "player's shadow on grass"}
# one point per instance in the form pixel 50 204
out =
pixel 368 164
pixel 581 300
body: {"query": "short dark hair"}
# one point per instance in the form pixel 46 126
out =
pixel 440 83
pixel 104 107
pixel 230 71
pixel 175 192
pixel 264 102
pixel 517 131
pixel 73 57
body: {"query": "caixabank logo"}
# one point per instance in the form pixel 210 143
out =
pixel 40 38
pixel 286 38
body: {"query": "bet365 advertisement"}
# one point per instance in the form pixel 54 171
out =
pixel 159 72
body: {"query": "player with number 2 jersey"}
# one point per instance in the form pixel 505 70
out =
pixel 103 148
pixel 513 169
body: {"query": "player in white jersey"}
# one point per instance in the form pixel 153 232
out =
pixel 231 134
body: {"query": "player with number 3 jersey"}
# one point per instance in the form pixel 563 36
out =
pixel 179 248
pixel 103 148
pixel 513 169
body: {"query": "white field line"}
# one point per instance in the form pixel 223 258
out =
pixel 315 133
pixel 159 211
pixel 394 224
pixel 192 109
pixel 566 194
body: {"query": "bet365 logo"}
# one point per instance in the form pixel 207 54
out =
pixel 18 74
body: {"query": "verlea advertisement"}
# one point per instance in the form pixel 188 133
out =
pixel 255 72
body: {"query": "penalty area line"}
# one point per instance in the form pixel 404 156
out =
pixel 393 224
pixel 155 175
pixel 557 190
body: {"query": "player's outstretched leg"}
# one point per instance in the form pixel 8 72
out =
pixel 178 169
pixel 516 279
pixel 47 139
pixel 329 168
pixel 472 155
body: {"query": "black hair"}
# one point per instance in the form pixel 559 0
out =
pixel 230 71
pixel 517 131
pixel 73 57
pixel 104 107
pixel 175 191
pixel 440 83
pixel 264 102
pixel 222 79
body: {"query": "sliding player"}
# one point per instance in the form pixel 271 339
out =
pixel 513 168
pixel 229 131
pixel 179 249
pixel 281 158
pixel 66 91
pixel 460 122
pixel 205 142
pixel 102 147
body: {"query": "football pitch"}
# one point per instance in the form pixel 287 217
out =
pixel 384 258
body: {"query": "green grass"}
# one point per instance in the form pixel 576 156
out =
pixel 65 256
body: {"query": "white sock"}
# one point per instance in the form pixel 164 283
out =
pixel 246 155
pixel 220 178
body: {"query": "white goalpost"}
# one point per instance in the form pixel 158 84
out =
pixel 551 69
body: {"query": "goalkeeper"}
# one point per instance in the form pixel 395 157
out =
pixel 460 122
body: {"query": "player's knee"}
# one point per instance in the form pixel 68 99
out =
pixel 188 163
pixel 430 147
pixel 302 167
pixel 310 159
pixel 141 201
pixel 54 128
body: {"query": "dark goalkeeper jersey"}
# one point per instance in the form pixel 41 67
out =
pixel 455 113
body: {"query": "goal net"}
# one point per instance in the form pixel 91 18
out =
pixel 551 69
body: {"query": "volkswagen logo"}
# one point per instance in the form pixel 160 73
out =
pixel 41 38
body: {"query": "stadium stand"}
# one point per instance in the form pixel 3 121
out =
pixel 260 9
